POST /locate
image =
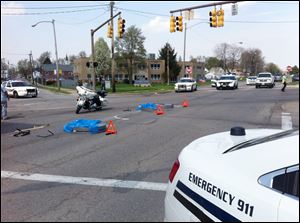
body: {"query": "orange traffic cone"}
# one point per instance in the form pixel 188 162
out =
pixel 111 128
pixel 159 111
pixel 185 103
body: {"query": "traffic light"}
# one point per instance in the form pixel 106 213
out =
pixel 213 18
pixel 172 24
pixel 88 64
pixel 179 23
pixel 109 31
pixel 220 18
pixel 95 64
pixel 121 27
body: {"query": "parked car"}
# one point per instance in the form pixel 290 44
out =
pixel 277 77
pixel 18 88
pixel 295 77
pixel 265 79
pixel 227 81
pixel 251 80
pixel 186 84
pixel 240 175
pixel 213 82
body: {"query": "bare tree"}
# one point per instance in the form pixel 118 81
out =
pixel 234 56
pixel 252 61
pixel 222 52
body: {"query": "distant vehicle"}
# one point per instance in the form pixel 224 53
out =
pixel 295 77
pixel 265 79
pixel 18 88
pixel 186 84
pixel 240 175
pixel 277 77
pixel 213 82
pixel 227 81
pixel 251 80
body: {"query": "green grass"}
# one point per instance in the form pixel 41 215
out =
pixel 128 88
pixel 53 88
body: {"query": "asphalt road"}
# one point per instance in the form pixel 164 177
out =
pixel 143 150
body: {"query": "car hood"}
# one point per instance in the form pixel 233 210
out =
pixel 208 152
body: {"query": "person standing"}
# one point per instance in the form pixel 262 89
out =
pixel 4 99
pixel 283 82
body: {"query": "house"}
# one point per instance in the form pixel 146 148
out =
pixel 48 72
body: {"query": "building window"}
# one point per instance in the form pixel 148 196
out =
pixel 155 77
pixel 155 66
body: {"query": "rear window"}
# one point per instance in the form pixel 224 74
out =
pixel 264 75
pixel 227 78
pixel 185 81
pixel 19 84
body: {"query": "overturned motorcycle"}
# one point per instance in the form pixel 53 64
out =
pixel 88 99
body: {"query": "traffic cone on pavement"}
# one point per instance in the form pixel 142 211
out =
pixel 185 103
pixel 111 128
pixel 159 111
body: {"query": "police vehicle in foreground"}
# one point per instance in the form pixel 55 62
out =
pixel 240 175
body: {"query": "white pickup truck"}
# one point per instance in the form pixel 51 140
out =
pixel 265 79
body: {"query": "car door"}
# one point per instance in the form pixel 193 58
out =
pixel 9 88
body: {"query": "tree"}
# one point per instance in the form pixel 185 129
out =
pixel 44 58
pixel 82 54
pixel 102 56
pixel 234 56
pixel 272 68
pixel 212 62
pixel 221 52
pixel 131 48
pixel 295 70
pixel 24 68
pixel 252 61
pixel 173 65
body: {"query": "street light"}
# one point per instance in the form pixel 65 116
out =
pixel 57 72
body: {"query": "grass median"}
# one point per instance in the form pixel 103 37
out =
pixel 123 88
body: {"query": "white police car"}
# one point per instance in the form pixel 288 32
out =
pixel 186 84
pixel 240 175
pixel 18 88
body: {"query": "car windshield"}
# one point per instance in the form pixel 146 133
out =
pixel 185 81
pixel 264 75
pixel 19 84
pixel 251 77
pixel 227 78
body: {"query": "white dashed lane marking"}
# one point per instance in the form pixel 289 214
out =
pixel 141 185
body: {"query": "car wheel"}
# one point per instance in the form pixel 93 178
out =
pixel 16 94
pixel 256 86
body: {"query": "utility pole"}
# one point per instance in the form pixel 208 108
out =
pixel 112 48
pixel 168 61
pixel 31 69
pixel 184 49
pixel 93 60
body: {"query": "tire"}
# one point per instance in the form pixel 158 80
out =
pixel 218 88
pixel 16 94
pixel 78 109
pixel 256 86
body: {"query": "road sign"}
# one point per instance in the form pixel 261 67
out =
pixel 189 70
pixel 234 9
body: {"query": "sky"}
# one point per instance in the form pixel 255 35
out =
pixel 272 27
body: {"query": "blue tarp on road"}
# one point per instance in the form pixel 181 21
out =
pixel 92 126
pixel 152 106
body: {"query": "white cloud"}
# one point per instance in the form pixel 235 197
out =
pixel 11 8
pixel 157 25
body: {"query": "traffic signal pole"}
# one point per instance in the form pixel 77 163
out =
pixel 184 47
pixel 204 6
pixel 93 48
pixel 112 48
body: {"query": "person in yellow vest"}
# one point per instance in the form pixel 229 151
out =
pixel 283 82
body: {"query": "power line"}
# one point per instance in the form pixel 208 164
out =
pixel 39 13
pixel 55 7
pixel 94 18
pixel 150 13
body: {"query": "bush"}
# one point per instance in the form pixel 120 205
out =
pixel 50 82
